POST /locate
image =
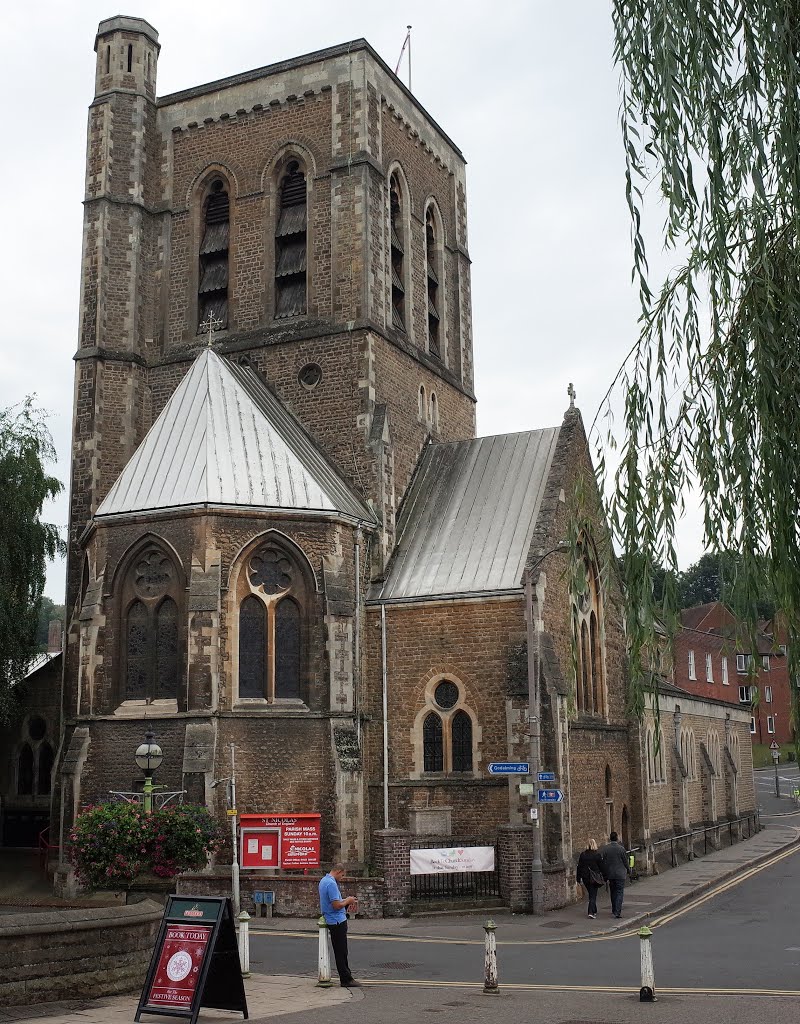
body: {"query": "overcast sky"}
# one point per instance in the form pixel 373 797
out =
pixel 526 89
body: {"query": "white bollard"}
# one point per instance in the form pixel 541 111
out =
pixel 490 986
pixel 244 943
pixel 647 993
pixel 324 956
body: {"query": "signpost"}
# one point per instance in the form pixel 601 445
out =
pixel 509 768
pixel 551 796
pixel 195 961
pixel 775 750
pixel 545 776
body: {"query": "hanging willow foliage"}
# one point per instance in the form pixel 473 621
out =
pixel 710 117
pixel 26 543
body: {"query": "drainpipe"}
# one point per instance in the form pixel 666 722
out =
pixel 357 636
pixel 385 694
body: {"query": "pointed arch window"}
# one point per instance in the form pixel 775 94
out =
pixel 272 627
pixel 462 742
pixel 398 253
pixel 588 631
pixel 151 628
pixel 45 770
pixel 291 244
pixel 25 764
pixel 214 259
pixel 433 274
pixel 448 740
pixel 433 744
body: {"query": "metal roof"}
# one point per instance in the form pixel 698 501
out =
pixel 467 522
pixel 224 439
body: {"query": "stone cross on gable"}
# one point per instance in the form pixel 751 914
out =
pixel 211 324
pixel 572 395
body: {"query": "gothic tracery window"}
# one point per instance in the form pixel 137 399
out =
pixel 291 234
pixel 271 627
pixel 25 771
pixel 398 251
pixel 588 633
pixel 214 259
pixel 447 732
pixel 151 629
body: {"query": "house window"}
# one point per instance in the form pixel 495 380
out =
pixel 587 624
pixel 151 628
pixel 783 649
pixel 433 273
pixel 291 235
pixel 752 726
pixel 725 672
pixel 398 250
pixel 767 694
pixel 765 662
pixel 743 662
pixel 770 723
pixel 691 666
pixel 709 669
pixel 212 304
pixel 744 695
pixel 271 632
pixel 447 731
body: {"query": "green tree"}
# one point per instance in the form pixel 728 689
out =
pixel 26 543
pixel 710 119
pixel 715 577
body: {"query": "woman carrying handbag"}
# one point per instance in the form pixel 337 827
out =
pixel 590 874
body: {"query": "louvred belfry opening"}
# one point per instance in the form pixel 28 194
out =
pixel 398 255
pixel 291 236
pixel 433 284
pixel 214 258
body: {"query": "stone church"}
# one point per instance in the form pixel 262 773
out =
pixel 284 535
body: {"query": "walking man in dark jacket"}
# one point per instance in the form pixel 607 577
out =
pixel 615 869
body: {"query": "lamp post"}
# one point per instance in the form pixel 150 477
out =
pixel 534 637
pixel 148 757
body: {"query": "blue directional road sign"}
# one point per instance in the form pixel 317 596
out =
pixel 509 768
pixel 550 796
pixel 545 776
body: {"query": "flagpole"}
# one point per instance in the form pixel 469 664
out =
pixel 409 57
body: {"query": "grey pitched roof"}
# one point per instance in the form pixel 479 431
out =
pixel 467 522
pixel 224 439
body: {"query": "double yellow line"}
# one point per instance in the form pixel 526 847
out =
pixel 612 989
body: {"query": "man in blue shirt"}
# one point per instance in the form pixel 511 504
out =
pixel 334 910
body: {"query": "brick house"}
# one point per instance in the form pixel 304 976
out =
pixel 284 535
pixel 709 661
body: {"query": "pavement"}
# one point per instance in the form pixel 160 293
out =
pixel 647 900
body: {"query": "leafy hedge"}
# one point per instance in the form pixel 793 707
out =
pixel 110 844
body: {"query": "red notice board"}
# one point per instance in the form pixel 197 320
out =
pixel 299 837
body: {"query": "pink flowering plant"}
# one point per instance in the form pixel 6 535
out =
pixel 110 844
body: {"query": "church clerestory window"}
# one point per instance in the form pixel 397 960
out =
pixel 212 305
pixel 271 628
pixel 291 244
pixel 151 628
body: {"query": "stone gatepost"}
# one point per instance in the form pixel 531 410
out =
pixel 392 848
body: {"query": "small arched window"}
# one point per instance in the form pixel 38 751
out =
pixel 423 405
pixel 45 772
pixel 462 742
pixel 271 626
pixel 151 628
pixel 432 272
pixel 398 251
pixel 586 670
pixel 212 305
pixel 25 771
pixel 291 234
pixel 434 412
pixel 432 742
pixel 651 775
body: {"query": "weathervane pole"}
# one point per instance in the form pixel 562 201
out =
pixel 409 57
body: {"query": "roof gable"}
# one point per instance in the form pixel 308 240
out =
pixel 467 522
pixel 224 439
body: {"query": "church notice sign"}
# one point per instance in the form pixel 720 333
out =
pixel 195 961
pixel 455 859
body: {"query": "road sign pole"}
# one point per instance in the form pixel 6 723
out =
pixel 777 780
pixel 534 661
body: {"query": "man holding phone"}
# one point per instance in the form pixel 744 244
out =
pixel 334 909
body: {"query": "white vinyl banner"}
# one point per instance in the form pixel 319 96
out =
pixel 460 858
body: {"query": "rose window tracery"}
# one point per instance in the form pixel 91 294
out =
pixel 271 571
pixel 152 574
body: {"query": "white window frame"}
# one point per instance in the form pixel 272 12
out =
pixel 752 725
pixel 765 662
pixel 725 672
pixel 709 669
pixel 767 694
pixel 741 662
pixel 692 674
pixel 745 690
pixel 770 724
pixel 783 648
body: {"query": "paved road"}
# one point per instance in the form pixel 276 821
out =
pixel 788 779
pixel 744 937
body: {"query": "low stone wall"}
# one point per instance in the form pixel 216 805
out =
pixel 295 895
pixel 70 954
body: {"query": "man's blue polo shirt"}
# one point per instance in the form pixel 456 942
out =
pixel 328 892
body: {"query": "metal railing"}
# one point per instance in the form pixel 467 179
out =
pixel 457 885
pixel 160 799
pixel 45 847
pixel 688 839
